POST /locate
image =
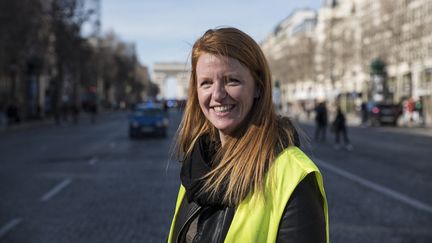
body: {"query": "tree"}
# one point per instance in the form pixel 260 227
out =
pixel 23 43
pixel 67 17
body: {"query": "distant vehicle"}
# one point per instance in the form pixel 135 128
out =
pixel 148 119
pixel 381 114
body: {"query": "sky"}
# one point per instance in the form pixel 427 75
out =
pixel 165 30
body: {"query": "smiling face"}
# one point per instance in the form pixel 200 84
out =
pixel 225 90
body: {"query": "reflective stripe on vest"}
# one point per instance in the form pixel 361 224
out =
pixel 256 220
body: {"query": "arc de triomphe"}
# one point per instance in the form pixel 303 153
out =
pixel 166 70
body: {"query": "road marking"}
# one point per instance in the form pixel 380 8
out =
pixel 9 226
pixel 47 196
pixel 93 161
pixel 374 186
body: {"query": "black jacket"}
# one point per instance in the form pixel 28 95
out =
pixel 303 220
pixel 339 121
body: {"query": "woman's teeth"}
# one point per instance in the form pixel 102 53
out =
pixel 223 108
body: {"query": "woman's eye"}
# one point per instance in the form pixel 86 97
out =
pixel 205 83
pixel 233 81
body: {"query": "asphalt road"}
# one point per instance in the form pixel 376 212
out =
pixel 91 183
pixel 380 191
pixel 86 183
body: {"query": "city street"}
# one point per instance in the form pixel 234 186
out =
pixel 380 191
pixel 91 183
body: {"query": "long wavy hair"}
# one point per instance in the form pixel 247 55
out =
pixel 246 155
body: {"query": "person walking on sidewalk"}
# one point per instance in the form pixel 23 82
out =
pixel 243 176
pixel 364 113
pixel 321 121
pixel 340 129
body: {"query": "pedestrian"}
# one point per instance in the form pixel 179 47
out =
pixel 12 114
pixel 243 176
pixel 321 121
pixel 93 111
pixel 418 112
pixel 75 112
pixel 364 113
pixel 339 128
pixel 3 119
pixel 409 107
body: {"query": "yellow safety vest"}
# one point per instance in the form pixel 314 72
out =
pixel 256 220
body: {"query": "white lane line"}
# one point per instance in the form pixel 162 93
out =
pixel 9 226
pixel 51 193
pixel 93 161
pixel 374 186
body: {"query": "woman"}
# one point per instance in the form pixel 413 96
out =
pixel 243 178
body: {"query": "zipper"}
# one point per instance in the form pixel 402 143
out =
pixel 194 213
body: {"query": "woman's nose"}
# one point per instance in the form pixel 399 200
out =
pixel 219 92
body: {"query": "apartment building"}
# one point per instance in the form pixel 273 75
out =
pixel 347 36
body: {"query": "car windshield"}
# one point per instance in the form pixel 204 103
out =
pixel 148 112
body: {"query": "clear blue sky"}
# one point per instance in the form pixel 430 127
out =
pixel 164 30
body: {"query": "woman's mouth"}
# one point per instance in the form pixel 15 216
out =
pixel 223 108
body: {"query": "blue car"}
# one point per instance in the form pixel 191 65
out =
pixel 148 120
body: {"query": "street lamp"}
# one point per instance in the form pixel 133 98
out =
pixel 378 87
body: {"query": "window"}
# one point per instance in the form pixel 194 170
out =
pixel 391 83
pixel 406 85
pixel 427 78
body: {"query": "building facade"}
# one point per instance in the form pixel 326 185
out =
pixel 290 50
pixel 347 36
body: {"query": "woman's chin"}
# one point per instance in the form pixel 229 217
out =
pixel 225 129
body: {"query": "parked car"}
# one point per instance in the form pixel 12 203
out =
pixel 383 113
pixel 148 119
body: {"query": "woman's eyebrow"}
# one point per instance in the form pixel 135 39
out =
pixel 203 76
pixel 232 74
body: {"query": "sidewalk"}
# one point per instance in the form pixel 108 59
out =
pixel 355 121
pixel 29 124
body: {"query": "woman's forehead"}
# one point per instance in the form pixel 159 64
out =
pixel 206 61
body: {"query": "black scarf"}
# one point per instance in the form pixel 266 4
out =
pixel 195 166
